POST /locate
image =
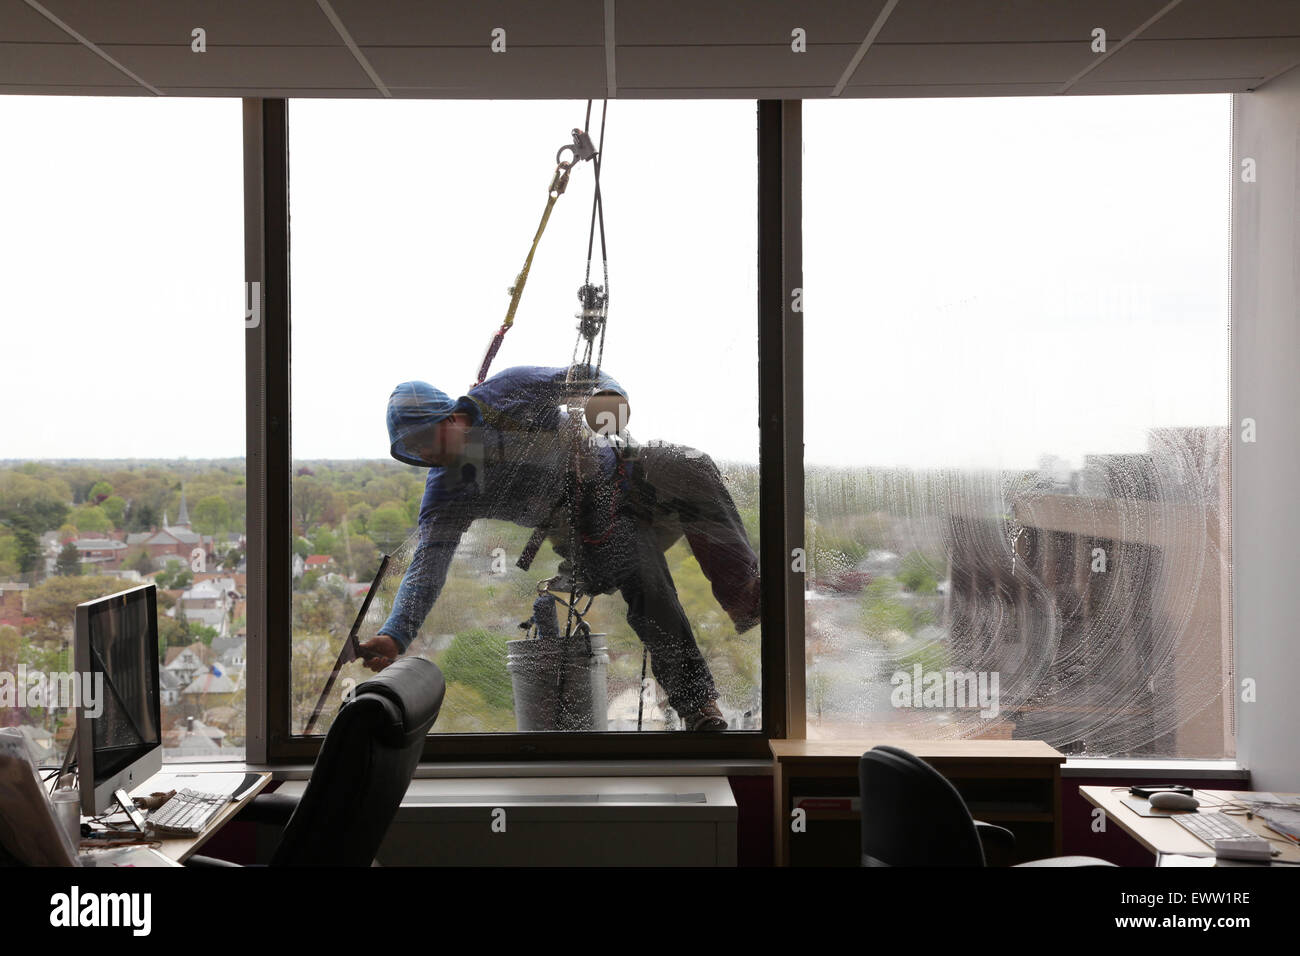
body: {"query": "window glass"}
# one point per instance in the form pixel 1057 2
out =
pixel 411 221
pixel 122 454
pixel 1016 418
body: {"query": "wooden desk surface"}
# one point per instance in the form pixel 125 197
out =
pixel 1162 835
pixel 181 849
pixel 797 751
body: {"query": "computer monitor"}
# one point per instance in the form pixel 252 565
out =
pixel 117 644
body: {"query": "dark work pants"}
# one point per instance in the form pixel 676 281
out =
pixel 673 491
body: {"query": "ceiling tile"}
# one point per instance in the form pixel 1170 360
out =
pixel 951 90
pixel 1207 19
pixel 1020 21
pixel 736 22
pixel 719 92
pixel 732 66
pixel 19 23
pixel 227 22
pixel 461 23
pixel 289 92
pixel 529 71
pixel 57 64
pixel 1148 87
pixel 243 67
pixel 43 89
pixel 1155 60
pixel 974 63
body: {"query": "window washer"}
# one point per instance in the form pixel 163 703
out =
pixel 501 452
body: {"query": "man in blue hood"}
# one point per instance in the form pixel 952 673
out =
pixel 503 451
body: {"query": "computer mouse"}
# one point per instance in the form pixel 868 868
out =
pixel 1168 800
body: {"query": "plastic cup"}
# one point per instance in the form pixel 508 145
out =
pixel 67 810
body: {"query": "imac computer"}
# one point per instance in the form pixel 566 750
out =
pixel 117 646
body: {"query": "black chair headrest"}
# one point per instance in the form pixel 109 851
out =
pixel 411 690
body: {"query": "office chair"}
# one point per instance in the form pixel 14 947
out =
pixel 913 816
pixel 364 768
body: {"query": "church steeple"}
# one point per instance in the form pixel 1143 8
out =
pixel 183 519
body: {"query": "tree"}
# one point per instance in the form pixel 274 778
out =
pixel 137 559
pixel 28 550
pixel 114 509
pixel 8 553
pixel 477 658
pixel 32 504
pixel 53 602
pixel 174 576
pixel 69 562
pixel 91 519
pixel 142 518
pixel 171 633
pixel 388 526
pixel 99 492
pixel 313 503
pixel 212 515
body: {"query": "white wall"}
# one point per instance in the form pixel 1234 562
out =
pixel 1266 473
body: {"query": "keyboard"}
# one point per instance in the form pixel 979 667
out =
pixel 187 813
pixel 1208 827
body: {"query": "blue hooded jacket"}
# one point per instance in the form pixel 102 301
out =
pixel 513 470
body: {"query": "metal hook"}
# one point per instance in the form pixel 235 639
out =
pixel 582 149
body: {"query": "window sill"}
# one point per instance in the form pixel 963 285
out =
pixel 1153 768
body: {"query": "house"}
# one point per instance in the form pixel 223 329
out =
pixel 192 738
pixel 102 552
pixel 230 650
pixel 212 688
pixel 319 562
pixel 174 541
pixel 187 662
pixel 12 595
pixel 170 686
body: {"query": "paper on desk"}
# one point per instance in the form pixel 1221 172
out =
pixel 226 783
pixel 126 856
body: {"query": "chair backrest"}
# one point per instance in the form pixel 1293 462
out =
pixel 364 768
pixel 912 815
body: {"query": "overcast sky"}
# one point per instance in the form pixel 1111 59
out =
pixel 986 281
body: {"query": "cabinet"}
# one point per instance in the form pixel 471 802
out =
pixel 1013 783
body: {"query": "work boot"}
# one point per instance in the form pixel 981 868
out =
pixel 707 719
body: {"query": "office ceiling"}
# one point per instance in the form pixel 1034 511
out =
pixel 643 48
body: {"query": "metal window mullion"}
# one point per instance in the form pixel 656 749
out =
pixel 266 262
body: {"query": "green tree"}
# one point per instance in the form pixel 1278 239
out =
pixel 477 658
pixel 137 559
pixel 142 517
pixel 212 515
pixel 53 602
pixel 114 509
pixel 916 574
pixel 29 550
pixel 388 526
pixel 32 503
pixel 69 562
pixel 91 519
pixel 99 492
pixel 323 541
pixel 174 576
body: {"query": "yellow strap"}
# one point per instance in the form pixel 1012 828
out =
pixel 558 183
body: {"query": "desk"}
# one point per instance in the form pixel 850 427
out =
pixel 1013 783
pixel 1162 835
pixel 182 848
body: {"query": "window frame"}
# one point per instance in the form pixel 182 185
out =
pixel 267 240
